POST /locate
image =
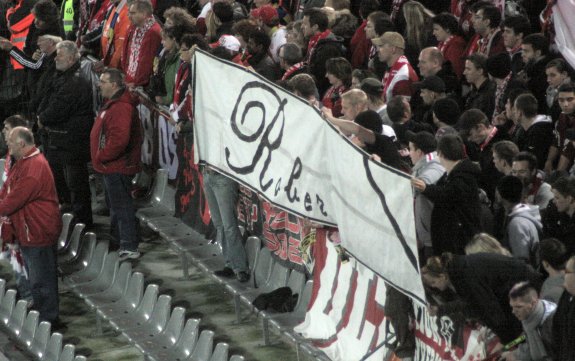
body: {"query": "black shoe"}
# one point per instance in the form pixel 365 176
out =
pixel 242 276
pixel 226 272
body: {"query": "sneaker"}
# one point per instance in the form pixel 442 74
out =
pixel 125 254
pixel 226 272
pixel 242 276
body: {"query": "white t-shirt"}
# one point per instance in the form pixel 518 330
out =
pixel 278 39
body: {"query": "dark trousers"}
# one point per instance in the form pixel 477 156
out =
pixel 40 263
pixel 72 178
pixel 123 223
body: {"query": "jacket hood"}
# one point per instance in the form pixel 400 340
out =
pixel 120 97
pixel 528 212
pixel 542 118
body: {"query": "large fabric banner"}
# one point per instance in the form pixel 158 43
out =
pixel 565 29
pixel 280 147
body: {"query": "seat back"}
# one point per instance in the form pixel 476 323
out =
pixel 68 353
pixel 54 347
pixel 175 325
pixel 220 352
pixel 29 328
pixel 189 337
pixel 110 269
pixel 263 267
pixel 40 341
pixel 74 242
pixel 17 318
pixel 7 306
pixel 296 282
pixel 2 288
pixel 237 358
pixel 64 233
pixel 253 246
pixel 146 306
pixel 204 347
pixel 169 199
pixel 160 184
pixel 160 314
pixel 304 298
pixel 80 358
pixel 135 290
pixel 87 247
pixel 98 258
pixel 278 277
pixel 122 277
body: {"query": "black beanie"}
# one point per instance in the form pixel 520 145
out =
pixel 510 188
pixel 446 110
pixel 499 65
pixel 370 120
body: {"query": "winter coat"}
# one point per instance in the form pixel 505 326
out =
pixel 455 215
pixel 116 138
pixel 29 199
pixel 484 280
pixel 564 328
pixel 538 138
pixel 327 48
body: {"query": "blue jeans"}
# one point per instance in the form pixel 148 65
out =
pixel 123 225
pixel 40 263
pixel 222 193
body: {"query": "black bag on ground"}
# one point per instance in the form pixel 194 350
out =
pixel 279 300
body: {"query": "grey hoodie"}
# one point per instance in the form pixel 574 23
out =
pixel 523 229
pixel 537 328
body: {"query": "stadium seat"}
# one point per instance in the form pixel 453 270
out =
pixel 139 316
pixel 17 318
pixel 2 288
pixel 204 347
pixel 40 341
pixel 116 291
pixel 68 353
pixel 129 302
pixel 220 352
pixel 155 324
pixel 94 268
pixel 80 358
pixel 252 246
pixel 237 358
pixel 85 254
pixel 161 207
pixel 69 252
pixel 65 232
pixel 7 306
pixel 185 345
pixel 160 183
pixel 168 337
pixel 277 279
pixel 104 280
pixel 54 347
pixel 26 337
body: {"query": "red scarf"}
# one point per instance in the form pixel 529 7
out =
pixel 390 74
pixel 181 76
pixel 292 69
pixel 313 42
pixel 488 139
pixel 485 43
pixel 473 45
pixel 443 44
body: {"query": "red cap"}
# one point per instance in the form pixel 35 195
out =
pixel 266 13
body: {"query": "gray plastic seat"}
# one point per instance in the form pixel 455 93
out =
pixel 185 345
pixel 155 324
pixel 29 329
pixel 7 306
pixel 287 321
pixel 253 246
pixel 71 250
pixel 139 316
pixel 65 232
pixel 205 252
pixel 204 347
pixel 168 337
pixel 259 277
pixel 237 358
pixel 54 347
pixel 220 352
pixel 40 341
pixel 116 291
pixel 80 358
pixel 68 353
pixel 17 318
pixel 104 280
pixel 277 279
pixel 2 288
pixel 160 183
pixel 85 254
pixel 94 268
pixel 161 207
pixel 129 302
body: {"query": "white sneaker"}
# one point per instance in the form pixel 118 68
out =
pixel 125 254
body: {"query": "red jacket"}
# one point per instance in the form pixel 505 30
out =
pixel 360 46
pixel 29 199
pixel 116 137
pixel 148 50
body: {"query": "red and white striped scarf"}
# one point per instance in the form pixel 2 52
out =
pixel 135 45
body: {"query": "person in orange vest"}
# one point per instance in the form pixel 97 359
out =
pixel 19 18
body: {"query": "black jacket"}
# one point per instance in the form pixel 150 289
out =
pixel 560 226
pixel 455 216
pixel 482 98
pixel 537 82
pixel 489 174
pixel 564 328
pixel 327 48
pixel 484 280
pixel 538 139
pixel 66 113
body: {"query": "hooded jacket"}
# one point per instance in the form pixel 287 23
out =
pixel 455 216
pixel 523 229
pixel 116 138
pixel 538 138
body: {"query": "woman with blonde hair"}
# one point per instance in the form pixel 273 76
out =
pixel 418 31
pixel 484 243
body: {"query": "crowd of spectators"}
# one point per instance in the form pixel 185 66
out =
pixel 470 97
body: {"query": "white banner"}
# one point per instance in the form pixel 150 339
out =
pixel 167 139
pixel 565 29
pixel 276 144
